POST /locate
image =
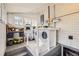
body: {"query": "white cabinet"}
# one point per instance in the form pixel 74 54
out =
pixel 2 39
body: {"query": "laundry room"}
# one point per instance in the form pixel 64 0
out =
pixel 39 29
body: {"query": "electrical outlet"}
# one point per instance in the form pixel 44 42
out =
pixel 70 37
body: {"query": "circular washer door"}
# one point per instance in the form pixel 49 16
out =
pixel 44 35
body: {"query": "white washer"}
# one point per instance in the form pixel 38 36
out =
pixel 43 41
pixel 47 38
pixel 35 33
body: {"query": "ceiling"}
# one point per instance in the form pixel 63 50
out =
pixel 25 7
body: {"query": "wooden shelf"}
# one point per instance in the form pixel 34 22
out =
pixel 10 31
pixel 15 31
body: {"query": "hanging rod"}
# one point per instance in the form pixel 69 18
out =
pixel 69 14
pixel 65 15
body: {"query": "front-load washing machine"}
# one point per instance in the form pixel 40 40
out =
pixel 47 38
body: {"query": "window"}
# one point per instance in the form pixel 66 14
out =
pixel 18 20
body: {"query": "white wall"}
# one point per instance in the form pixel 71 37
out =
pixel 2 39
pixel 69 24
pixel 3 16
pixel 62 9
